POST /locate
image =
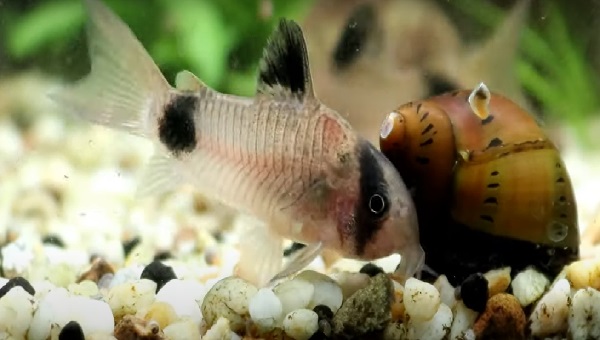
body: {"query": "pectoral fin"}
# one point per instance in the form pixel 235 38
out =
pixel 261 254
pixel 159 177
pixel 299 261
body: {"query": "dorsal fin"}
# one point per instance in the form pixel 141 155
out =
pixel 187 81
pixel 284 69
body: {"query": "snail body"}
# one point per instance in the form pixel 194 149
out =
pixel 490 187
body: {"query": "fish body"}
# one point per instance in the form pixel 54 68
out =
pixel 282 156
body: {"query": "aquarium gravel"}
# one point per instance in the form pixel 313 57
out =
pixel 82 257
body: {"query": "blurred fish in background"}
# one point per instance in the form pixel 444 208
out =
pixel 369 56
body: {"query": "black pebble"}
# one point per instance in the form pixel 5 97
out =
pixel 163 255
pixel 130 244
pixel 71 331
pixel 53 240
pixel 474 292
pixel 293 248
pixel 325 317
pixel 159 273
pixel 371 270
pixel 17 281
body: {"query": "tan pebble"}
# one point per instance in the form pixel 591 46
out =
pixel 498 280
pixel 184 328
pixel 503 318
pixel 161 312
pixel 133 328
pixel 98 268
pixel 584 273
pixel 398 310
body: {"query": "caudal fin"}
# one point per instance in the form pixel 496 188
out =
pixel 125 89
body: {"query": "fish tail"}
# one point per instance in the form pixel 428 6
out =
pixel 124 89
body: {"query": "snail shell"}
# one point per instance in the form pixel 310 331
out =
pixel 483 161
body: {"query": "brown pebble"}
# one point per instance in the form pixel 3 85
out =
pixel 97 269
pixel 134 328
pixel 398 309
pixel 503 318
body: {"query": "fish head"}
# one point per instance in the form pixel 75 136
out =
pixel 384 218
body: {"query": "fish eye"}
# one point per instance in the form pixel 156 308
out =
pixel 378 204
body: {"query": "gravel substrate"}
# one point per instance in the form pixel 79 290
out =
pixel 83 257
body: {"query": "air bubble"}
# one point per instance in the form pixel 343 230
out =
pixel 557 231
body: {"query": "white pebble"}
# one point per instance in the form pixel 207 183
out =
pixel 301 324
pixel 16 306
pixel 185 328
pixel 265 309
pixel 219 331
pixel 16 257
pixel 327 291
pixel 446 290
pixel 129 297
pixel 529 285
pixel 464 319
pixel 551 312
pixel 294 294
pixel 421 299
pixel 126 274
pixel 183 296
pixel 59 307
pixel 435 328
pixel 584 319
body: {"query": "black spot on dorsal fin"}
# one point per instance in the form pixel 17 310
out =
pixel 359 30
pixel 176 128
pixel 284 68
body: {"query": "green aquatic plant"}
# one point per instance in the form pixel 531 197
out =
pixel 552 67
pixel 219 40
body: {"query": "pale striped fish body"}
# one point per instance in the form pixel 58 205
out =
pixel 282 156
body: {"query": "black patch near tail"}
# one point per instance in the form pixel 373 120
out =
pixel 371 183
pixel 176 128
pixel 284 66
pixel 359 28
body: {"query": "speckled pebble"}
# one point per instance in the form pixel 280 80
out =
pixel 368 310
pixel 159 273
pixel 327 291
pixel 498 280
pixel 183 296
pixel 265 309
pixel 134 328
pixel 301 324
pixel 503 318
pixel 129 297
pixel 474 292
pixel 435 328
pixel 294 294
pixel 584 273
pixel 229 298
pixel 584 318
pixel 529 285
pixel 17 306
pixel 551 313
pixel 421 299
